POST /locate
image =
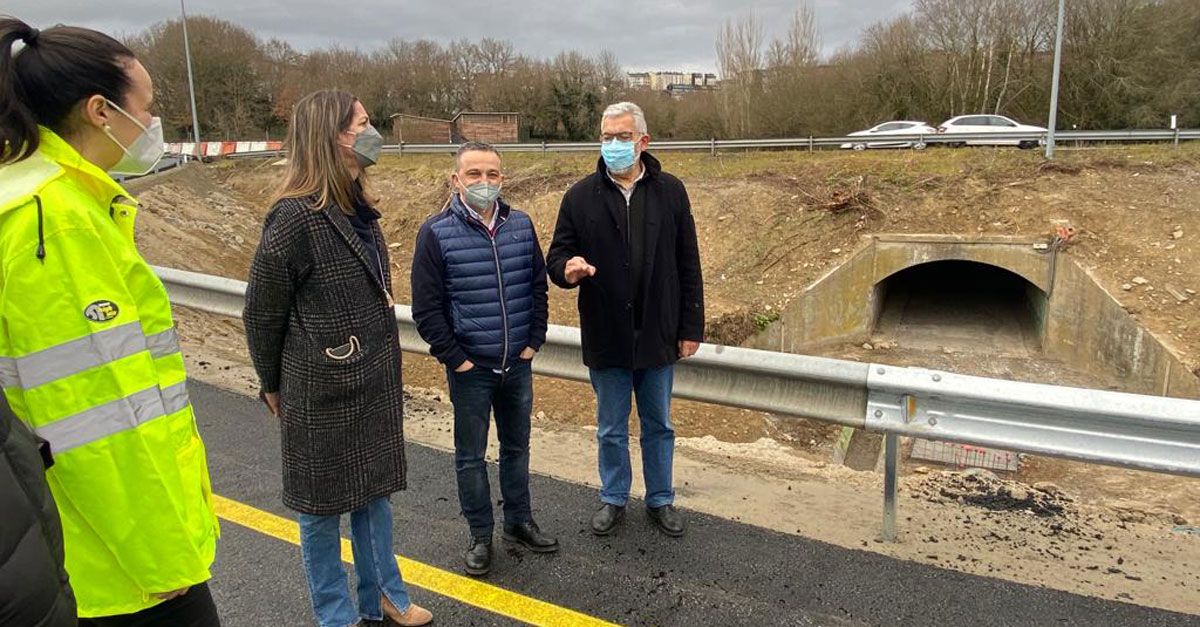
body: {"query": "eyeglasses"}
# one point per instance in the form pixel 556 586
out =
pixel 624 137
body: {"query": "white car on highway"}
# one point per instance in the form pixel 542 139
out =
pixel 897 127
pixel 990 124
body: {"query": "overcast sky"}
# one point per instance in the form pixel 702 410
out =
pixel 658 35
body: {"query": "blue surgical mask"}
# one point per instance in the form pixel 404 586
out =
pixel 619 156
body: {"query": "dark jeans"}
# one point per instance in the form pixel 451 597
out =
pixel 475 394
pixel 194 609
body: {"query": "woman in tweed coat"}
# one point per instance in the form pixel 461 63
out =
pixel 323 338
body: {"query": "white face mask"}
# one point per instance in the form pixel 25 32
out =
pixel 141 156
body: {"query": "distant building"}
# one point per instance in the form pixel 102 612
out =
pixel 490 127
pixel 677 83
pixel 660 80
pixel 638 80
pixel 416 129
pixel 485 126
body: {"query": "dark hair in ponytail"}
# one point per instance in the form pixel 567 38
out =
pixel 54 71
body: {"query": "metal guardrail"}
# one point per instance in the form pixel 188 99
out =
pixel 810 143
pixel 1152 433
pixel 825 389
pixel 168 161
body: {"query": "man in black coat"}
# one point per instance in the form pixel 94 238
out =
pixel 626 238
pixel 33 582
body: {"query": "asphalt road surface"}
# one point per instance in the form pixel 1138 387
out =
pixel 720 573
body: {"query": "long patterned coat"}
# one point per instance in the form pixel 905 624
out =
pixel 323 334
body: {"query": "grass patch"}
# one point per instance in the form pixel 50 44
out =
pixel 762 320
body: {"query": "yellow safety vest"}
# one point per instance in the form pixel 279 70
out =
pixel 90 359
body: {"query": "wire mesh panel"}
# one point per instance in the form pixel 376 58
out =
pixel 965 455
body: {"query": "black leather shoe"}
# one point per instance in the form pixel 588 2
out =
pixel 479 556
pixel 606 518
pixel 529 536
pixel 668 519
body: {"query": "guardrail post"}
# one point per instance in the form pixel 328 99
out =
pixel 712 143
pixel 401 149
pixel 891 462
pixel 891 470
pixel 1176 136
pixel 543 146
pixel 810 143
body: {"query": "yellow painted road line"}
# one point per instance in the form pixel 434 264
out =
pixel 464 589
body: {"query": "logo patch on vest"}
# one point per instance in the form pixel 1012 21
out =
pixel 101 311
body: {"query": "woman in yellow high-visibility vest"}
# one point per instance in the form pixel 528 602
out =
pixel 89 356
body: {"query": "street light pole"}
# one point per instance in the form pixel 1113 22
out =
pixel 1062 9
pixel 187 53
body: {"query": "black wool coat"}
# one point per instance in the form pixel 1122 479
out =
pixel 34 589
pixel 593 224
pixel 322 333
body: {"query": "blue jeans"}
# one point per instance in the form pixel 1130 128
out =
pixel 374 563
pixel 475 394
pixel 652 388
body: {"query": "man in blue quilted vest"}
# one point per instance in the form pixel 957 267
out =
pixel 479 300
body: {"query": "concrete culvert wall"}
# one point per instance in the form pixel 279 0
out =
pixel 960 305
pixel 844 305
pixel 997 296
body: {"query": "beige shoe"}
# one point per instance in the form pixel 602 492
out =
pixel 414 616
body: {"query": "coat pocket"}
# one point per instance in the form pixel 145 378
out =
pixel 346 352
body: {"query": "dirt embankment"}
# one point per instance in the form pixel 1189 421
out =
pixel 771 223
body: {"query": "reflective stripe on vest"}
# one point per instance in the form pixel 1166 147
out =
pixel 114 417
pixel 85 353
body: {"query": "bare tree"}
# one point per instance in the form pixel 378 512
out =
pixel 495 56
pixel 896 82
pixel 786 107
pixel 232 99
pixel 803 43
pixel 467 63
pixel 609 75
pixel 740 58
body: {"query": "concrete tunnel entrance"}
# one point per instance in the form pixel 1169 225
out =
pixel 964 306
